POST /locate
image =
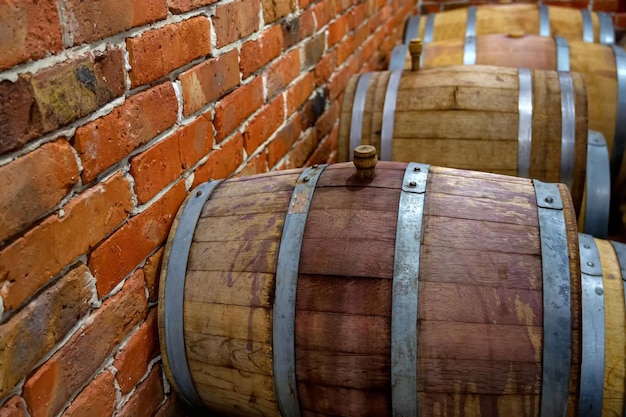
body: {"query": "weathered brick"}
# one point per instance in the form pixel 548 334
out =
pixel 13 408
pixel 256 54
pixel 275 9
pixel 325 68
pixel 147 398
pixel 132 360
pixel 58 379
pixel 282 72
pixel 111 138
pixel 222 161
pixel 96 400
pixel 322 153
pixel 346 48
pixel 298 28
pixel 28 336
pixel 256 165
pixel 233 109
pixel 327 120
pixel 53 97
pixel 52 171
pixel 209 81
pixel 313 51
pixel 125 249
pixel 151 271
pixel 299 93
pixel 339 79
pixel 264 124
pixel 30 30
pixel 171 408
pixel 356 16
pixel 158 52
pixel 337 30
pixel 30 261
pixel 312 110
pixel 283 141
pixel 94 20
pixel 236 20
pixel 182 6
pixel 325 10
pixel 302 150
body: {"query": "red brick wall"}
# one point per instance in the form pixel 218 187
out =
pixel 111 111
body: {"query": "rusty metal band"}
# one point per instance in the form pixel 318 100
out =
pixel 358 107
pixel 469 50
pixel 544 20
pixel 562 54
pixel 389 112
pixel 619 139
pixel 398 57
pixel 607 32
pixel 525 129
pixel 412 29
pixel 587 25
pixel 177 254
pixel 404 305
pixel 557 312
pixel 568 128
pixel 598 192
pixel 284 309
pixel 593 337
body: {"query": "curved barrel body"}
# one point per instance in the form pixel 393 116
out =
pixel 494 119
pixel 424 291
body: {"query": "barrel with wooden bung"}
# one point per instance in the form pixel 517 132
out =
pixel 530 123
pixel 397 289
pixel 539 19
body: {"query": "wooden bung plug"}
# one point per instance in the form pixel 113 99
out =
pixel 415 49
pixel 516 34
pixel 365 159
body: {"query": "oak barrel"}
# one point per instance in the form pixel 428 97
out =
pixel 472 117
pixel 298 291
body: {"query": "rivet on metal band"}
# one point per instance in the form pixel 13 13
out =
pixel 412 30
pixel 398 57
pixel 598 192
pixel 404 305
pixel 592 365
pixel 607 32
pixel 525 130
pixel 469 50
pixel 429 30
pixel 177 251
pixel 557 312
pixel 358 107
pixel 587 25
pixel 284 310
pixel 562 54
pixel 544 20
pixel 389 112
pixel 568 128
pixel 619 139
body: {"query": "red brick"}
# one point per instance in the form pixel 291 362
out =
pixel 346 48
pixel 91 21
pixel 182 6
pixel 53 97
pixel 171 408
pixel 236 20
pixel 132 360
pixel 29 335
pixel 146 400
pixel 283 141
pixel 337 30
pixel 282 72
pixel 125 249
pixel 256 54
pixel 275 9
pixel 52 171
pixel 298 28
pixel 264 124
pixel 338 81
pixel 209 81
pixel 327 120
pixel 158 52
pixel 151 271
pixel 356 16
pixel 312 110
pixel 59 378
pixel 303 149
pixel 233 109
pixel 96 400
pixel 325 68
pixel 30 30
pixel 298 94
pixel 324 11
pixel 13 408
pixel 30 261
pixel 322 153
pixel 222 161
pixel 256 165
pixel 111 138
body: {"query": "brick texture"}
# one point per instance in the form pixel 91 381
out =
pixel 147 398
pixel 13 408
pixel 255 54
pixel 233 109
pixel 152 270
pixel 96 400
pixel 222 161
pixel 275 9
pixel 281 73
pixel 236 20
pixel 285 137
pixel 264 124
pixel 182 6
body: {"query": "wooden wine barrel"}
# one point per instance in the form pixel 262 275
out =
pixel 573 24
pixel 296 293
pixel 469 117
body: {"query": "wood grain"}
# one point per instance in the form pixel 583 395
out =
pixel 477 405
pixel 234 404
pixel 249 323
pixel 344 401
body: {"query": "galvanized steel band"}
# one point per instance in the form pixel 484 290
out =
pixel 412 30
pixel 544 20
pixel 358 108
pixel 429 31
pixel 619 140
pixel 284 309
pixel 525 129
pixel 398 57
pixel 469 50
pixel 620 252
pixel 557 314
pixel 389 112
pixel 593 340
pixel 568 128
pixel 562 54
pixel 607 32
pixel 404 306
pixel 598 192
pixel 177 251
pixel 587 25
